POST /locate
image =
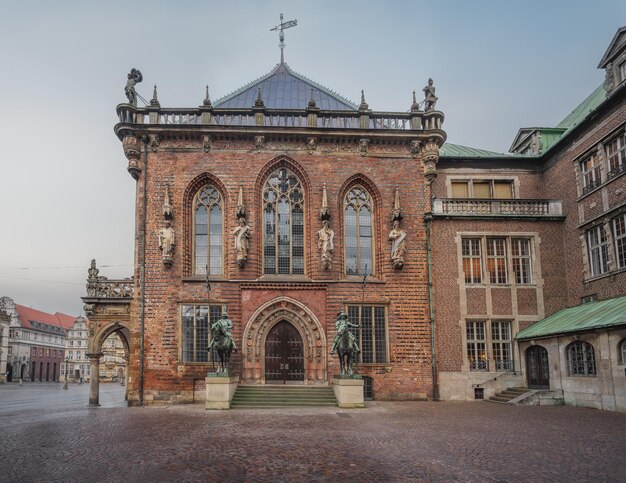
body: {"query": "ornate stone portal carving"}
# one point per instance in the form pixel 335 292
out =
pixel 397 236
pixel 429 96
pixel 167 242
pixel 207 143
pixel 363 146
pixel 430 156
pixel 134 77
pixel 325 236
pixel 154 142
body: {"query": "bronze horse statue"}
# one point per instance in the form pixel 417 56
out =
pixel 347 352
pixel 223 344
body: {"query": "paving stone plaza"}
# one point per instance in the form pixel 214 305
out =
pixel 387 441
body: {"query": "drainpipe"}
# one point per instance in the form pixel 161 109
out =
pixel 428 217
pixel 144 222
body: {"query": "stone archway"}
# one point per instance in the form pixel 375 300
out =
pixel 307 324
pixel 95 353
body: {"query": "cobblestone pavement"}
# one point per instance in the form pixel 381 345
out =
pixel 388 441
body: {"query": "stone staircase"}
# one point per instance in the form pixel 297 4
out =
pixel 508 395
pixel 280 396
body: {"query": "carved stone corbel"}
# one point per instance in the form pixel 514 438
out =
pixel 416 147
pixel 207 143
pixel 259 142
pixel 311 144
pixel 154 141
pixel 430 156
pixel 132 150
pixel 363 146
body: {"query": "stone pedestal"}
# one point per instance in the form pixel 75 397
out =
pixel 349 391
pixel 220 389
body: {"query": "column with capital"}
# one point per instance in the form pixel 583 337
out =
pixel 94 379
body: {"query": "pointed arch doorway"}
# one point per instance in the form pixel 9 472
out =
pixel 284 355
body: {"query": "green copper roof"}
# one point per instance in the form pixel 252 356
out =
pixel 449 150
pixel 593 315
pixel 580 112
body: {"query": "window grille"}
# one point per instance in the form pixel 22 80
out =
pixel 496 260
pixel 283 221
pixel 476 346
pixel 501 345
pixel 372 335
pixel 359 232
pixel 196 331
pixel 619 230
pixel 208 231
pixel 520 253
pixel 598 246
pixel 590 168
pixel 472 267
pixel 581 359
pixel 616 156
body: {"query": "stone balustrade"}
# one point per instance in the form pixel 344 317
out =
pixel 463 207
pixel 311 118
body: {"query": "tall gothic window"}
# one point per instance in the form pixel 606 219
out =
pixel 207 231
pixel 359 232
pixel 283 224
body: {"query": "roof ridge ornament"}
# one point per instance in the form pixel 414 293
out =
pixel 364 106
pixel 415 106
pixel 155 99
pixel 281 35
pixel 207 99
pixel 312 104
pixel 259 101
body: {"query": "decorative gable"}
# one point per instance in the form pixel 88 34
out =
pixel 614 61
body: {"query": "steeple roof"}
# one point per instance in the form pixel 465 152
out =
pixel 282 88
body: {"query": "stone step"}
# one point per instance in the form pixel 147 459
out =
pixel 268 396
pixel 508 395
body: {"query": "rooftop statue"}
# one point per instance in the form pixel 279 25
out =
pixel 134 77
pixel 429 96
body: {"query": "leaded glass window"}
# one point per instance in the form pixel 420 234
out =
pixel 522 267
pixel 496 260
pixel 372 333
pixel 283 224
pixel 477 346
pixel 619 227
pixel 358 224
pixel 581 359
pixel 196 321
pixel 207 231
pixel 501 345
pixel 590 168
pixel 471 260
pixel 598 247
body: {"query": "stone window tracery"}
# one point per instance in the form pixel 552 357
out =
pixel 358 232
pixel 208 231
pixel 581 359
pixel 283 224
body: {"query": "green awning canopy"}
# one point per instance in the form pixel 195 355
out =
pixel 589 316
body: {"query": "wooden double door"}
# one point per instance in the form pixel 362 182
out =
pixel 284 355
pixel 537 368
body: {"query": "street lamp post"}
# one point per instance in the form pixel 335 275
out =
pixel 67 359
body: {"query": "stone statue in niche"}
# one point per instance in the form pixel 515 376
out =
pixel 325 244
pixel 429 96
pixel 242 237
pixel 397 236
pixel 167 242
pixel 168 214
pixel 134 77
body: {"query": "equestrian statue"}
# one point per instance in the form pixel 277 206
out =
pixel 222 342
pixel 345 343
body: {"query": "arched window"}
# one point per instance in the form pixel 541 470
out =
pixel 283 224
pixel 359 232
pixel 622 351
pixel 581 359
pixel 207 231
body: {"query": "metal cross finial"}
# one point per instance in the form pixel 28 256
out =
pixel 280 27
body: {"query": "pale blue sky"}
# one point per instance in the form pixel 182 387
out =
pixel 67 197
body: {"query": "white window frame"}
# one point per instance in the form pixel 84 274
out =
pixel 598 251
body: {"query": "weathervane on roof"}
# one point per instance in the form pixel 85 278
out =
pixel 281 35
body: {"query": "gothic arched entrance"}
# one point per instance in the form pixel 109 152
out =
pixel 537 367
pixel 284 354
pixel 277 322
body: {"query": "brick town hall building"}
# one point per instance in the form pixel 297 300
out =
pixel 284 203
